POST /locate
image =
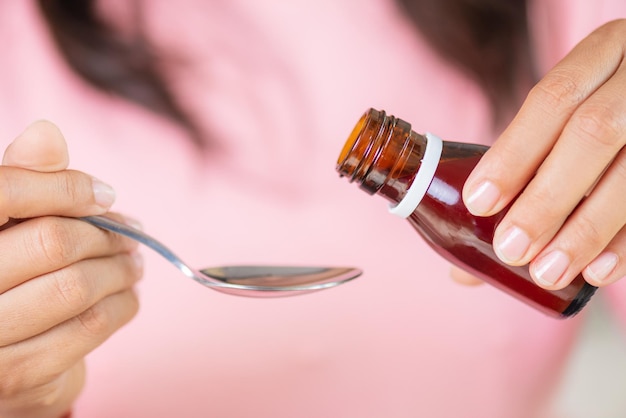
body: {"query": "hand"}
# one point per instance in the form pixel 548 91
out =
pixel 564 152
pixel 65 286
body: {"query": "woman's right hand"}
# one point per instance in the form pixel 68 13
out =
pixel 65 286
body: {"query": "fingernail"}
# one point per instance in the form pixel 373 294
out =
pixel 600 268
pixel 483 198
pixel 549 269
pixel 137 259
pixel 103 193
pixel 133 223
pixel 512 245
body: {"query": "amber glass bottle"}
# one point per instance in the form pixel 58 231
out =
pixel 422 176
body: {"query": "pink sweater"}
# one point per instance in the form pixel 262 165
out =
pixel 280 84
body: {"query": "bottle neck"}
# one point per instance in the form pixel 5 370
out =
pixel 422 180
pixel 386 157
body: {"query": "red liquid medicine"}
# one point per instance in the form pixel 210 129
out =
pixel 423 176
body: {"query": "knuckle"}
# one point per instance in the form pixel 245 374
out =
pixel 69 186
pixel 49 392
pixel 15 378
pixel 600 124
pixel 559 91
pixel 71 290
pixel 55 241
pixel 544 199
pixel 587 232
pixel 11 385
pixel 94 321
pixel 24 382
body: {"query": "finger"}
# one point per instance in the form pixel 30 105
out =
pixel 64 294
pixel 516 156
pixel 610 265
pixel 26 194
pixel 55 397
pixel 595 134
pixel 583 108
pixel 41 147
pixel 41 245
pixel 587 231
pixel 38 360
pixel 463 277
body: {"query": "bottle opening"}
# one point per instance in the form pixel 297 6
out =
pixel 351 139
pixel 375 151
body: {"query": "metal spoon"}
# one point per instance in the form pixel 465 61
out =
pixel 250 281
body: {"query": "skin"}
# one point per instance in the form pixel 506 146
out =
pixel 564 151
pixel 61 280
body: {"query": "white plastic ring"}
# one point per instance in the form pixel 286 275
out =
pixel 423 178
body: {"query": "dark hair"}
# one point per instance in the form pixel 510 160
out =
pixel 485 38
pixel 125 65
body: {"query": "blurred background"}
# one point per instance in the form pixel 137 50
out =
pixel 594 385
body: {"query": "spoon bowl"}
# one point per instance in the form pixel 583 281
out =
pixel 245 280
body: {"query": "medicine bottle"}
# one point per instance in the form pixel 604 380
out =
pixel 422 177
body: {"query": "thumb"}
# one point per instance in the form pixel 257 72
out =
pixel 41 147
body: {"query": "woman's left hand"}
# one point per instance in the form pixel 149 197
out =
pixel 564 155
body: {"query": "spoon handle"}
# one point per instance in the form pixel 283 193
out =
pixel 221 284
pixel 130 232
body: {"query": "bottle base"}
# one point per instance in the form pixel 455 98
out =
pixel 579 302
